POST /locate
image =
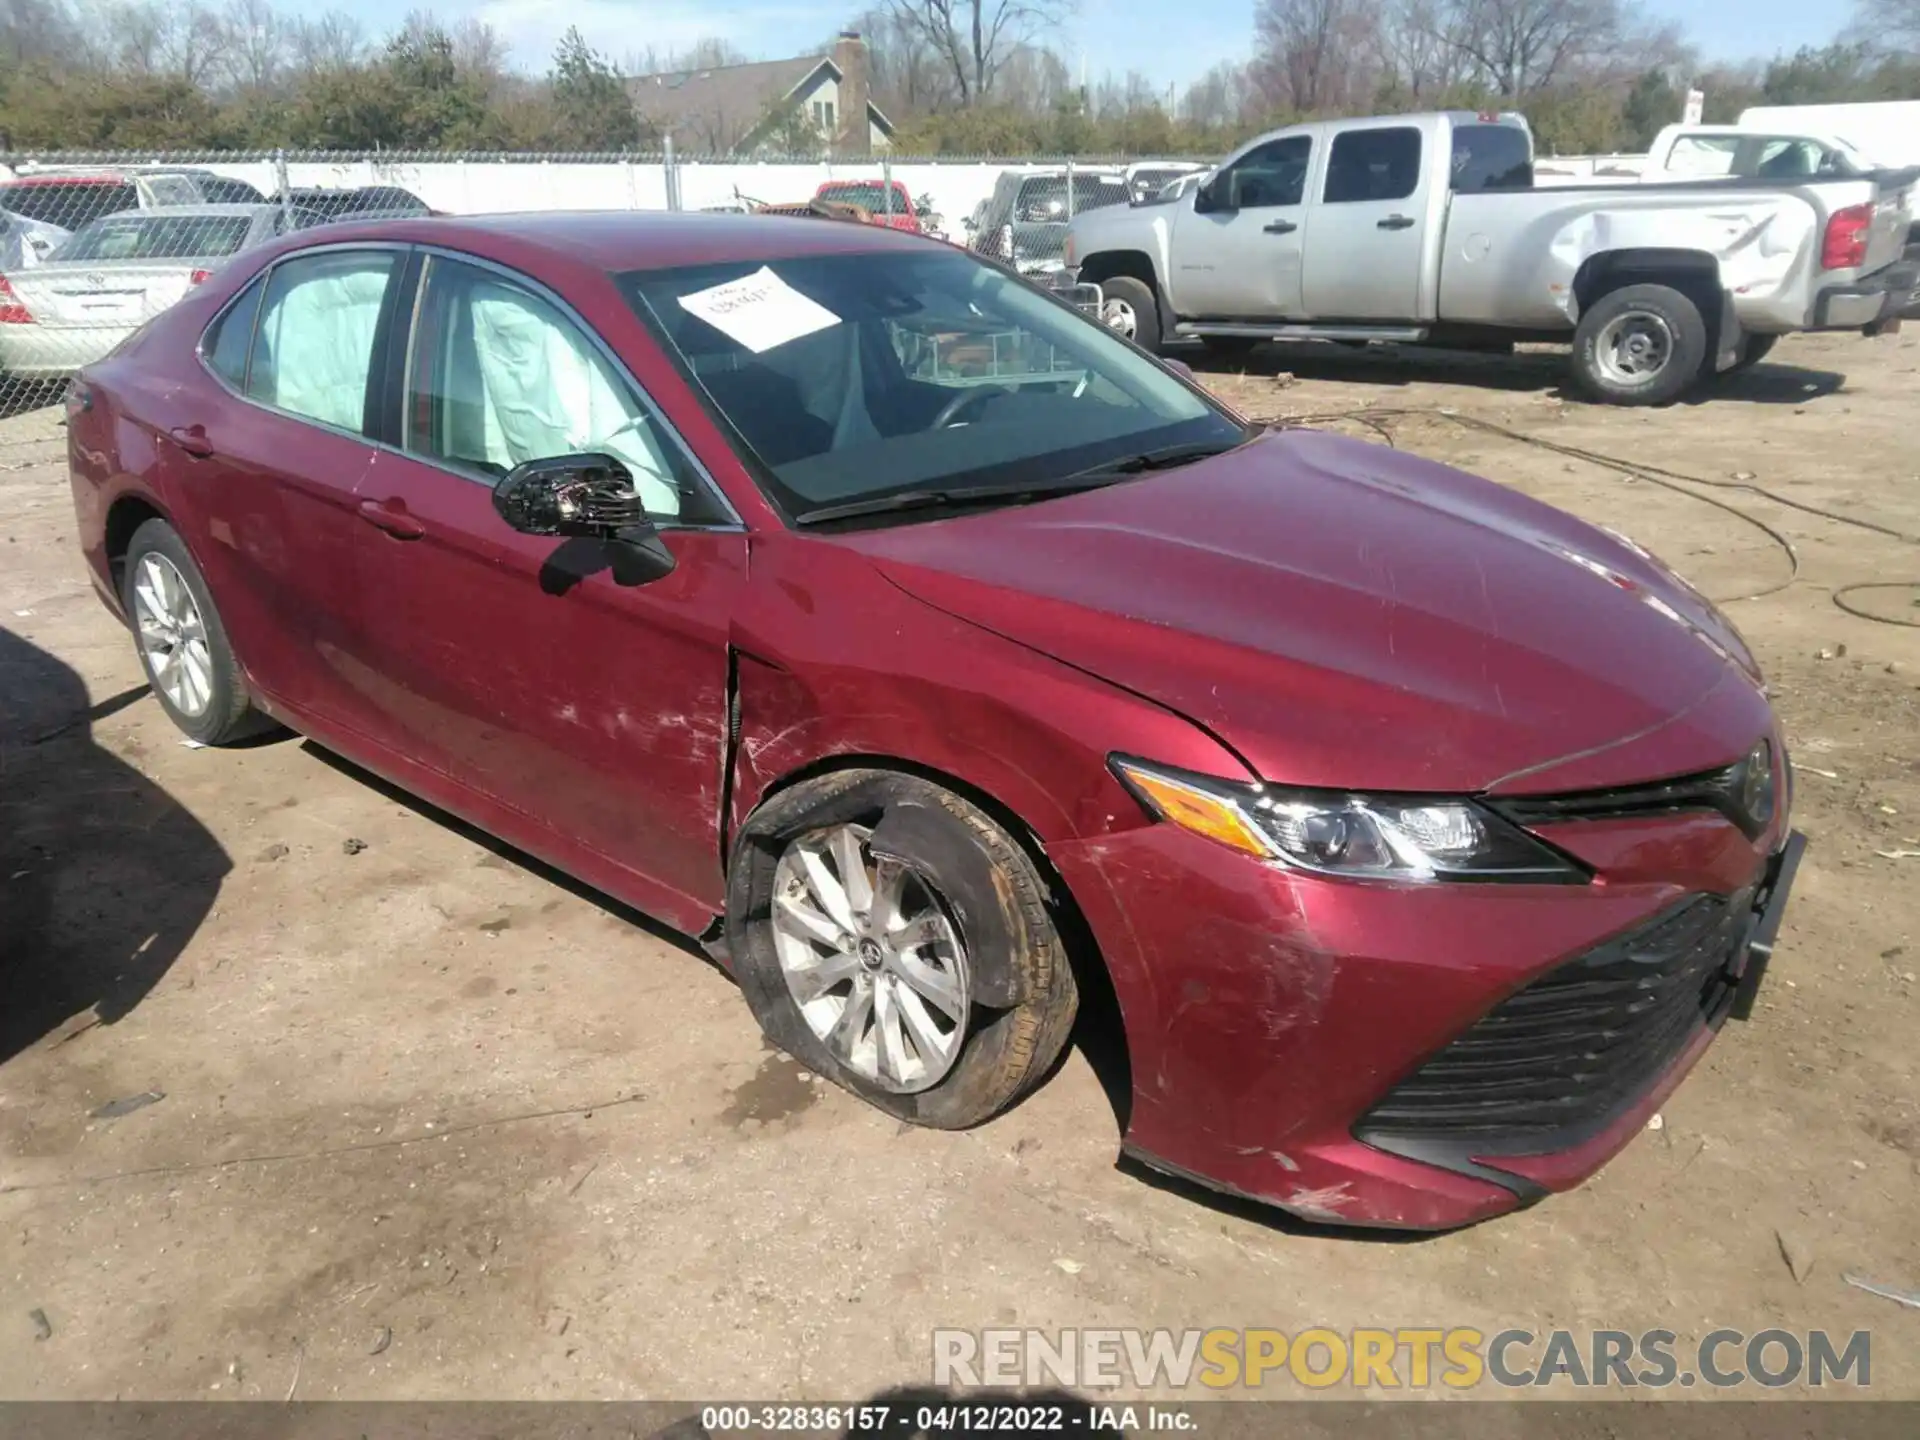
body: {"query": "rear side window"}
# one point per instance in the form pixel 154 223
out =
pixel 1491 157
pixel 313 346
pixel 1379 164
pixel 68 203
pixel 231 337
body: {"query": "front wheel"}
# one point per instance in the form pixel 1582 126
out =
pixel 891 936
pixel 1128 307
pixel 1639 345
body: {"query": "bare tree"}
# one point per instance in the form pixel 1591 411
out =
pixel 1220 98
pixel 334 41
pixel 974 38
pixel 33 30
pixel 1520 47
pixel 256 48
pixel 1419 48
pixel 1315 55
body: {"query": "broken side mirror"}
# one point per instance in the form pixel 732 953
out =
pixel 586 497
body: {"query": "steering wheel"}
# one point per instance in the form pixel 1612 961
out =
pixel 972 396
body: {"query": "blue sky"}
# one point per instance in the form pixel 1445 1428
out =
pixel 1171 42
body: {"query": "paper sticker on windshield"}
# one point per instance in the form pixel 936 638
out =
pixel 760 311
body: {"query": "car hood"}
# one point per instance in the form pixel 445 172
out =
pixel 1342 614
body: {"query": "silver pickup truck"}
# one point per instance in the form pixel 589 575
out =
pixel 1427 229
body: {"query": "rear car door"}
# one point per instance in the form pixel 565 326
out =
pixel 266 467
pixel 519 666
pixel 1237 252
pixel 1368 250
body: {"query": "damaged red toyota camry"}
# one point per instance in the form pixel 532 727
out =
pixel 934 654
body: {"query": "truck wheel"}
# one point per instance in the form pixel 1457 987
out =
pixel 1639 345
pixel 1129 309
pixel 1753 349
pixel 890 936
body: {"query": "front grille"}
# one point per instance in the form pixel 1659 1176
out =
pixel 1559 1058
pixel 1711 790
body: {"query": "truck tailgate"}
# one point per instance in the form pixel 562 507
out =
pixel 1892 218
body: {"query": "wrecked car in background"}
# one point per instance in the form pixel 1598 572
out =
pixel 1425 834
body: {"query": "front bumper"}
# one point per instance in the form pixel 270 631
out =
pixel 1874 303
pixel 1272 1017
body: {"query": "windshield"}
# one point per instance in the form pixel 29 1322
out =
pixel 158 236
pixel 850 377
pixel 1044 198
pixel 869 195
pixel 67 203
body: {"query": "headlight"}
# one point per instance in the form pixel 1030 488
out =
pixel 1751 788
pixel 1382 837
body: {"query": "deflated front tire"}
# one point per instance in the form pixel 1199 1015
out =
pixel 889 934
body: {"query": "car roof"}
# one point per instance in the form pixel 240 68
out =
pixel 618 240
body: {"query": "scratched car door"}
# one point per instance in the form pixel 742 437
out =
pixel 519 666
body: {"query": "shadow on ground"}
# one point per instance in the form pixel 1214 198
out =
pixel 1527 372
pixel 104 877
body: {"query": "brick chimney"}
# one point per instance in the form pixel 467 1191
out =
pixel 850 54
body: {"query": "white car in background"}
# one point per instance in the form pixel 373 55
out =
pixel 25 243
pixel 113 275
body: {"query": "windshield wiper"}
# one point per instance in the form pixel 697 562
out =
pixel 952 499
pixel 1167 458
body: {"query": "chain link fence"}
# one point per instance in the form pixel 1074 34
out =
pixel 92 246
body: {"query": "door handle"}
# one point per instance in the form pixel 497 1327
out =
pixel 1280 227
pixel 392 517
pixel 1396 222
pixel 192 439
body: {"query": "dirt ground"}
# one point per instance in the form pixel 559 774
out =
pixel 439 1123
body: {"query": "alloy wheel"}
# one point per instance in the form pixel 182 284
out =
pixel 173 635
pixel 871 959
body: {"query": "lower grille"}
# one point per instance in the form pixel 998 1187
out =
pixel 1566 1053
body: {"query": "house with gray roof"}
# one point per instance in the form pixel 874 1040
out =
pixel 766 107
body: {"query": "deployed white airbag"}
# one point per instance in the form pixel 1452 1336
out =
pixel 317 337
pixel 545 393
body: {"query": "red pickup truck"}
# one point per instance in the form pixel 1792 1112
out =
pixel 871 196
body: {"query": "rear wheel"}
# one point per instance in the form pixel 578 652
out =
pixel 1129 308
pixel 183 646
pixel 891 936
pixel 1639 345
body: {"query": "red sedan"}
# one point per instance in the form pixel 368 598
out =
pixel 932 653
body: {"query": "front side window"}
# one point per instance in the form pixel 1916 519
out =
pixel 1269 175
pixel 499 376
pixel 1381 164
pixel 851 377
pixel 313 346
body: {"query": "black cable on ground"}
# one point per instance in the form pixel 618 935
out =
pixel 1375 418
